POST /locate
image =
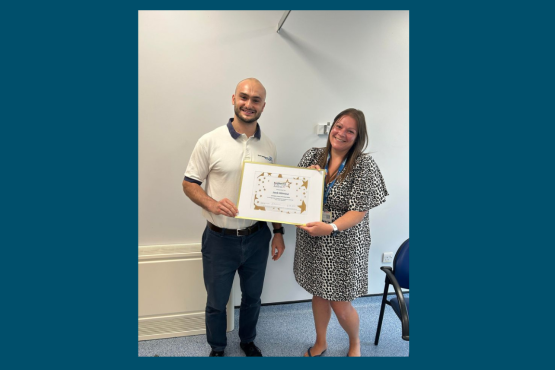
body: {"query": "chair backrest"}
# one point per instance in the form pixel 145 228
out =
pixel 401 265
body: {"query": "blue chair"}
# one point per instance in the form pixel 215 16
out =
pixel 398 277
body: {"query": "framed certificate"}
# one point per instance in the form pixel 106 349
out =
pixel 284 194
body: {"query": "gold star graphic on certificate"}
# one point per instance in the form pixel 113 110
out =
pixel 258 207
pixel 302 207
pixel 288 183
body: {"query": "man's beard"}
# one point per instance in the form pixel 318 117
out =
pixel 247 120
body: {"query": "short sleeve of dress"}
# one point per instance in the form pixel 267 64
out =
pixel 369 188
pixel 309 158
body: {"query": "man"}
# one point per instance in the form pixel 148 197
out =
pixel 230 244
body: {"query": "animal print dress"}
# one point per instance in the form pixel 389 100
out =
pixel 336 267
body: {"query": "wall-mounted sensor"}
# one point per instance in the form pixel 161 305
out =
pixel 323 128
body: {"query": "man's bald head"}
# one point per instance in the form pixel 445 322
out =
pixel 249 100
pixel 254 82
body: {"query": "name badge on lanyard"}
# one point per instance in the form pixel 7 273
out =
pixel 326 215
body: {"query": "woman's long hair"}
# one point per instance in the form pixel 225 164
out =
pixel 358 147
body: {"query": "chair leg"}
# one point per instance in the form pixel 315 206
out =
pixel 382 309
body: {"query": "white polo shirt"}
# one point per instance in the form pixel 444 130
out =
pixel 218 159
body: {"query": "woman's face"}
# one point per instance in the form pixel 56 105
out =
pixel 343 134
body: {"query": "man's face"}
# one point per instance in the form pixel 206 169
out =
pixel 249 101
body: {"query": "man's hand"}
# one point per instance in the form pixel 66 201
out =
pixel 224 207
pixel 278 246
pixel 317 228
pixel 199 197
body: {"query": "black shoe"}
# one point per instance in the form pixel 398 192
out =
pixel 251 350
pixel 311 355
pixel 216 354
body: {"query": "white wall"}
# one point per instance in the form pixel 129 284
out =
pixel 320 63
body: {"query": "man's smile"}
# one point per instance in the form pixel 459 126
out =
pixel 248 111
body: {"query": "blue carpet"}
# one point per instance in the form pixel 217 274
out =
pixel 287 330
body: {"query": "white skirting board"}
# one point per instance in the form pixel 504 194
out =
pixel 172 296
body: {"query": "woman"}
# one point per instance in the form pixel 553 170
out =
pixel 331 257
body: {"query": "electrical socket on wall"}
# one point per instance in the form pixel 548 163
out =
pixel 387 257
pixel 323 128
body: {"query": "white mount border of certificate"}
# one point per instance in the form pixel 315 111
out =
pixel 315 194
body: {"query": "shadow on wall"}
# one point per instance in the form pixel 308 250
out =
pixel 332 71
pixel 231 38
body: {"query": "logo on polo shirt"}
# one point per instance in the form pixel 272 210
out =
pixel 269 159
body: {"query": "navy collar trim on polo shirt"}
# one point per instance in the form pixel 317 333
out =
pixel 234 134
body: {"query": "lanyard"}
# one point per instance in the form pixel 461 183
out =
pixel 330 185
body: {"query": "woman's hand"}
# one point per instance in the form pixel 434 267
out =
pixel 317 228
pixel 315 166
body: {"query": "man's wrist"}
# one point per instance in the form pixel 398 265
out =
pixel 279 230
pixel 212 205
